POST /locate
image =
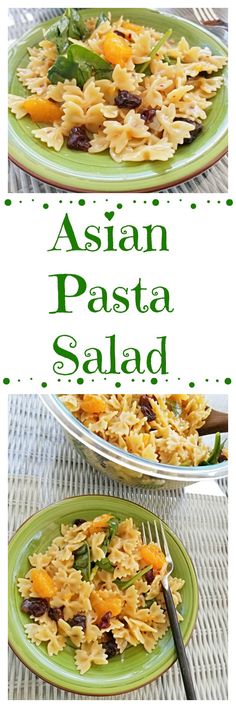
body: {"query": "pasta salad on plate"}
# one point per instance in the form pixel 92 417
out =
pixel 104 84
pixel 97 587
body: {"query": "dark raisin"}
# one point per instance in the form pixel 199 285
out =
pixel 149 576
pixel 146 408
pixel 222 457
pixel 78 139
pixel 105 621
pixel 194 133
pixel 35 606
pixel 55 613
pixel 78 621
pixel 148 114
pixel 120 34
pixel 203 74
pixel 125 99
pixel 110 646
pixel 78 522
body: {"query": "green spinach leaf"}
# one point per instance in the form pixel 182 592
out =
pixel 78 53
pixel 104 563
pixel 82 561
pixel 77 27
pixel 101 18
pixel 58 33
pixel 215 453
pixel 65 68
pixel 124 584
pixel 141 68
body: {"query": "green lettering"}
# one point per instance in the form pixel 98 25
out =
pixel 120 300
pixel 161 358
pixel 62 295
pixel 93 238
pixel 133 363
pixel 164 298
pixel 102 300
pixel 58 366
pixel 69 234
pixel 150 229
pixel 132 238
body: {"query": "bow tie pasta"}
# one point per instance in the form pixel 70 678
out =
pixel 98 588
pixel 113 85
pixel 159 428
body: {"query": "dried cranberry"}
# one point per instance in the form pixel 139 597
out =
pixel 146 408
pixel 149 576
pixel 78 621
pixel 78 522
pixel 148 114
pixel 125 99
pixel 120 34
pixel 55 613
pixel 35 606
pixel 203 74
pixel 78 139
pixel 110 646
pixel 105 620
pixel 222 457
pixel 194 133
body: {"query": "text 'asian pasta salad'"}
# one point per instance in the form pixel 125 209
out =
pixel 101 85
pixel 97 588
pixel 158 428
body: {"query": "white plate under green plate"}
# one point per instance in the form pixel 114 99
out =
pixel 126 672
pixel 80 171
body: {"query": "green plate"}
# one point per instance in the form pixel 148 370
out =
pixel 79 171
pixel 135 668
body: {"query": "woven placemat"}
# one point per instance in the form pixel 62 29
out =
pixel 213 180
pixel 44 468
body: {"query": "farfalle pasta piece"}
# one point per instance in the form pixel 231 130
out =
pixel 57 91
pixel 40 560
pixel 96 540
pixel 119 135
pixel 208 87
pixel 175 131
pixel 16 105
pixel 75 634
pixel 96 115
pixel 52 136
pixel 142 47
pixel 90 653
pixel 73 113
pixel 161 150
pixel 92 94
pixel 130 602
pixel 125 80
pixel 46 632
pixel 24 586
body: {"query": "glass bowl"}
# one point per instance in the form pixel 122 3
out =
pixel 122 466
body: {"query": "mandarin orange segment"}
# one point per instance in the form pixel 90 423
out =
pixel 42 110
pixel 93 404
pixel 102 604
pixel 42 582
pixel 116 50
pixel 99 524
pixel 132 27
pixel 152 555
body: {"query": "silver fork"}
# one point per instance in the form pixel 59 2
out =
pixel 148 536
pixel 207 16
